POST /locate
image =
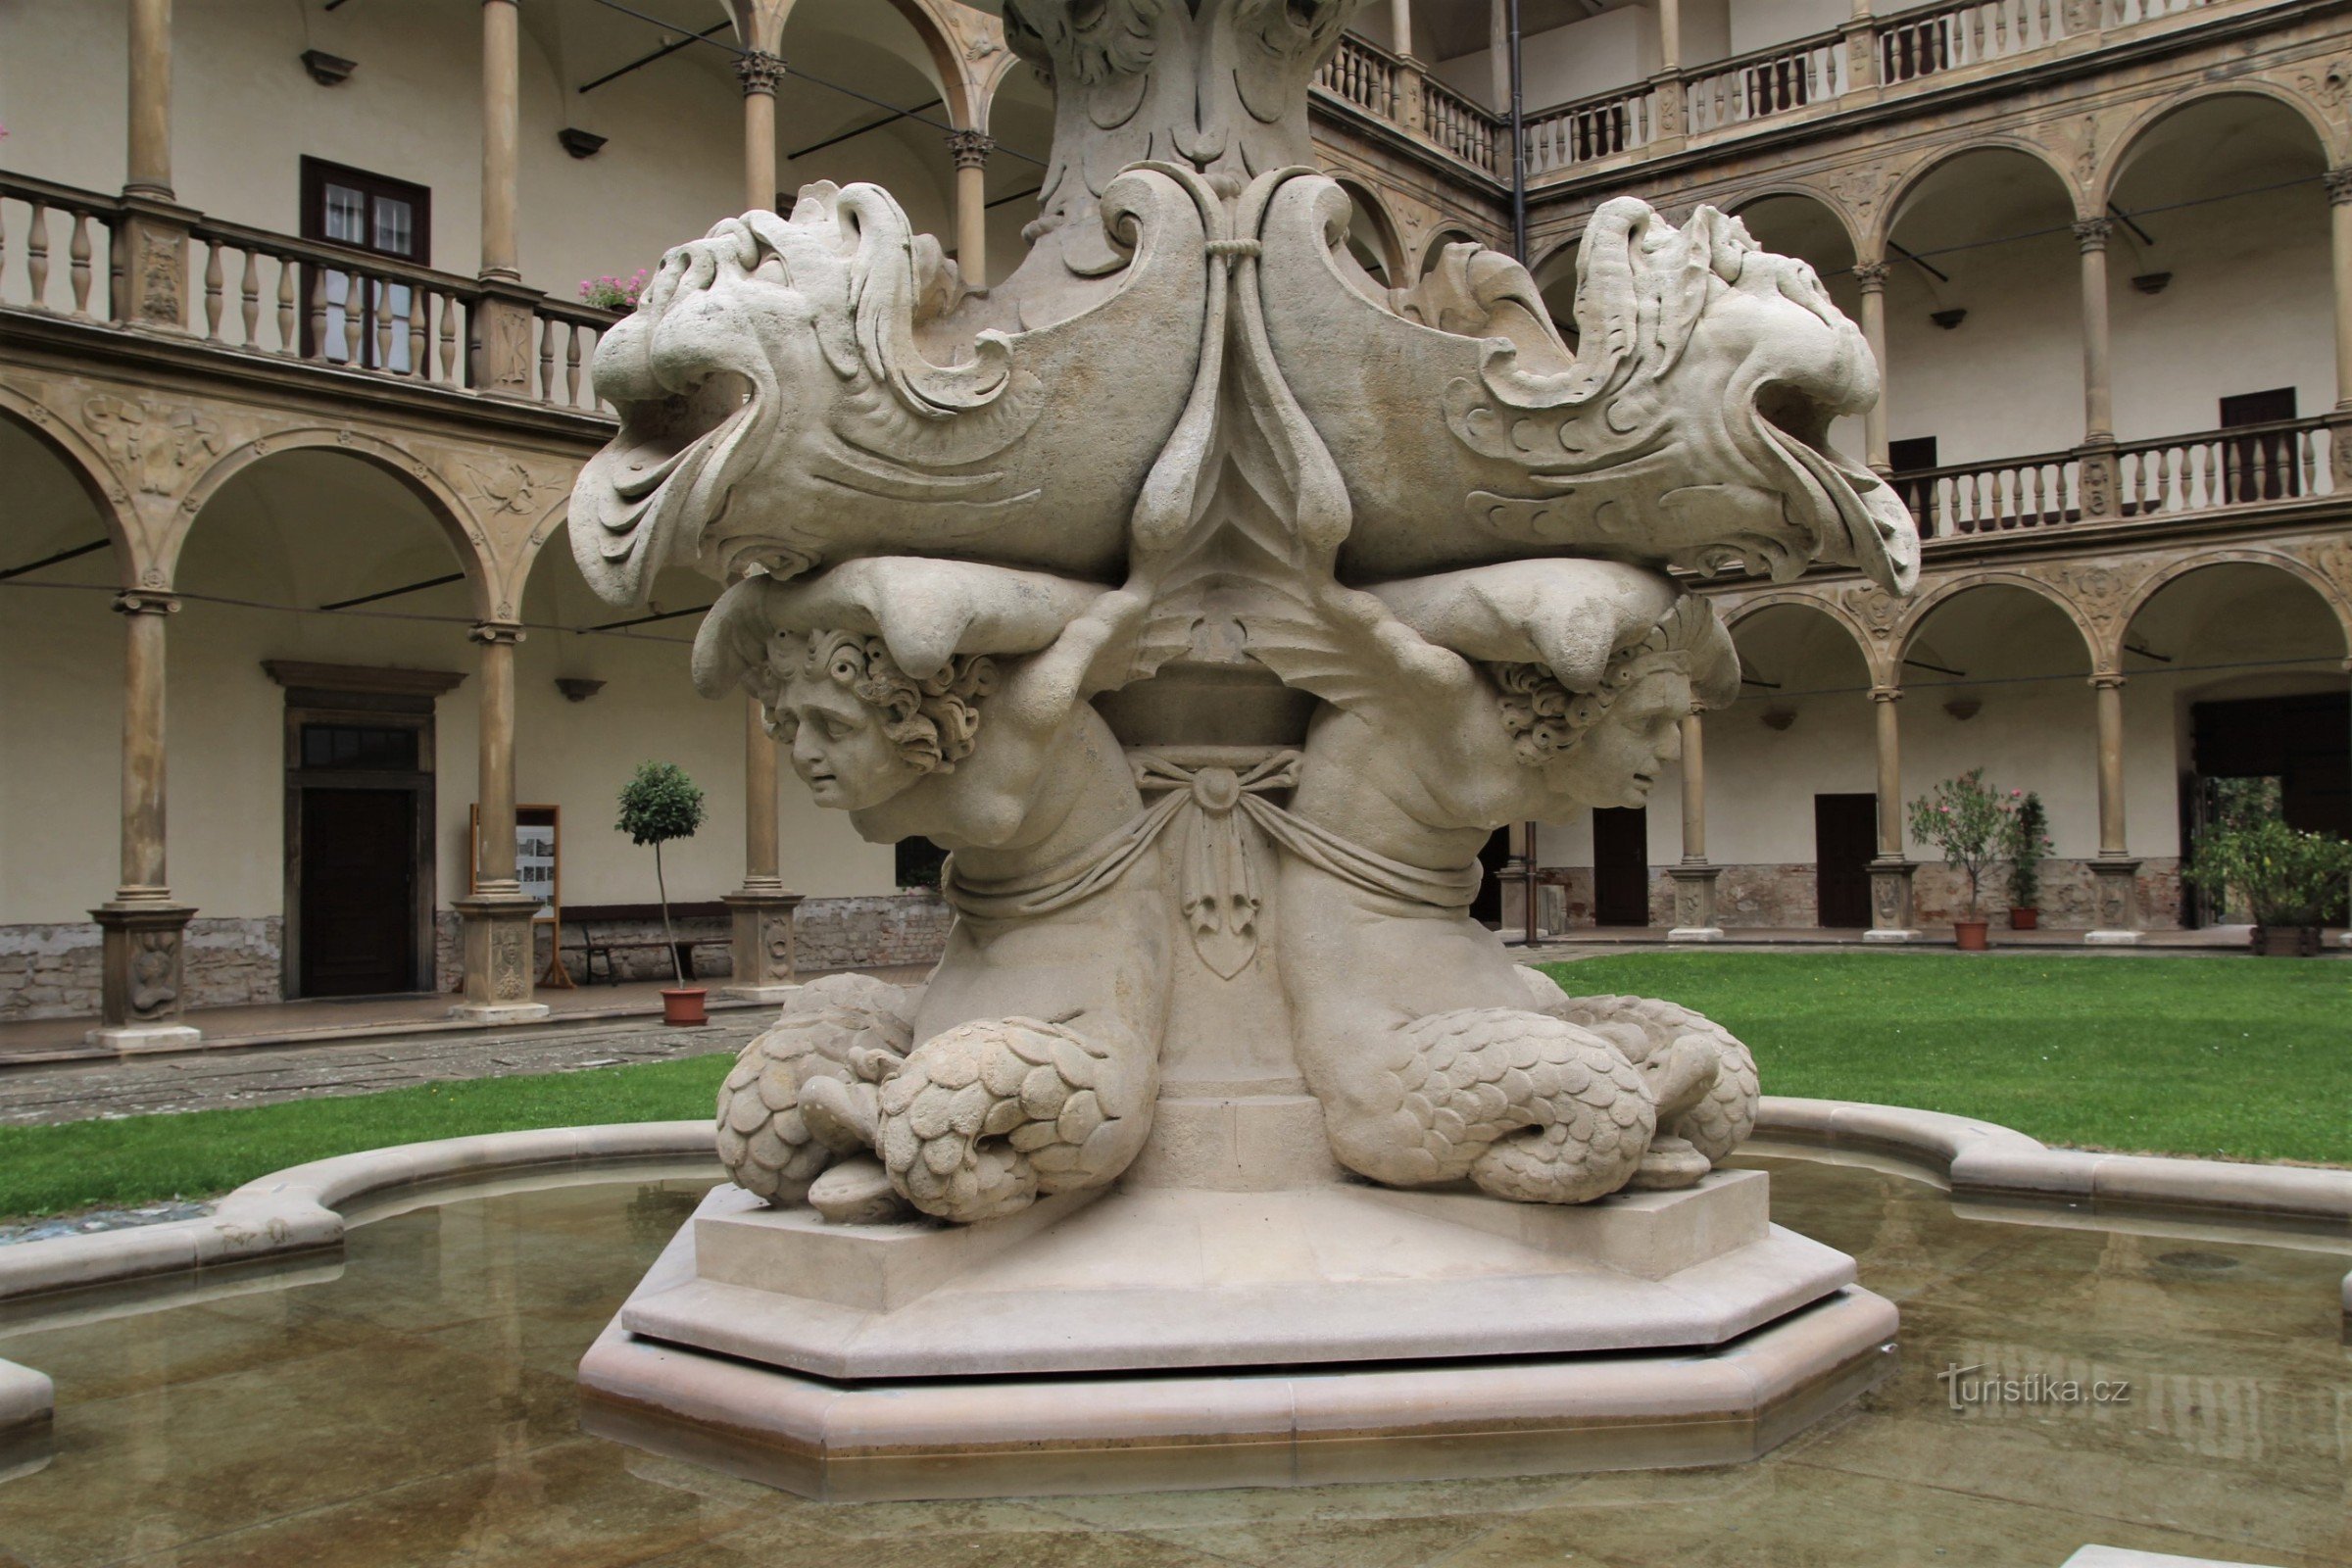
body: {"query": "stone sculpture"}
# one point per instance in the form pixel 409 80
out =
pixel 1212 604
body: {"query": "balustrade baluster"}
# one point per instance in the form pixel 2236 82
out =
pixel 212 290
pixel 36 254
pixel 380 301
pixel 572 366
pixel 286 341
pixel 2307 453
pixel 318 309
pixel 547 359
pixel 2196 483
pixel 419 309
pixel 448 334
pixel 77 253
pixel 249 296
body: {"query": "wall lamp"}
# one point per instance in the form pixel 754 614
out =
pixel 327 71
pixel 1779 716
pixel 1965 709
pixel 580 143
pixel 2151 282
pixel 578 690
pixel 1947 320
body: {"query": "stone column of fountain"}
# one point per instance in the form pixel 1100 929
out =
pixel 1212 604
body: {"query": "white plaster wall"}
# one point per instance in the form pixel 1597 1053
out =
pixel 1761 23
pixel 1593 56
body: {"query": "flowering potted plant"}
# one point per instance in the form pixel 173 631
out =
pixel 610 293
pixel 2290 879
pixel 657 804
pixel 2025 840
pixel 1963 817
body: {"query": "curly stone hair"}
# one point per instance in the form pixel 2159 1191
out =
pixel 1546 717
pixel 934 721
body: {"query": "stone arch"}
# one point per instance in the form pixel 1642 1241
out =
pixel 1375 207
pixel 1733 205
pixel 2336 597
pixel 968 104
pixel 1905 632
pixel 1908 183
pixel 1746 606
pixel 2127 143
pixel 97 478
pixel 1435 246
pixel 441 503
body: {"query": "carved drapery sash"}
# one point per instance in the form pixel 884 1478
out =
pixel 1218 881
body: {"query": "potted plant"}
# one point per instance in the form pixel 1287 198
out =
pixel 2290 879
pixel 1964 817
pixel 657 804
pixel 2025 840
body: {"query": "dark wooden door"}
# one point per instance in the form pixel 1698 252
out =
pixel 1486 908
pixel 1846 835
pixel 1621 867
pixel 357 892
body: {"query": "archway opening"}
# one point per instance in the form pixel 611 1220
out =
pixel 2243 660
pixel 323 785
pixel 2218 217
pixel 1791 802
pixel 1983 315
pixel 1807 228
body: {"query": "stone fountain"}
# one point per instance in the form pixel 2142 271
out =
pixel 1212 603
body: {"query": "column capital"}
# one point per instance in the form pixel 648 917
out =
pixel 2107 679
pixel 494 631
pixel 2091 234
pixel 970 148
pixel 2339 186
pixel 1872 275
pixel 141 602
pixel 760 72
pixel 1886 694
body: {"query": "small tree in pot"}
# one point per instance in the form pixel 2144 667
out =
pixel 2292 880
pixel 1967 821
pixel 2025 840
pixel 657 804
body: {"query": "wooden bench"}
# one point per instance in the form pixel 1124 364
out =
pixel 588 918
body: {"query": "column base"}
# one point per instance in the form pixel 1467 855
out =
pixel 2114 899
pixel 1890 934
pixel 498 1013
pixel 761 944
pixel 498 958
pixel 136 1039
pixel 1694 901
pixel 2111 939
pixel 140 975
pixel 1695 933
pixel 1890 917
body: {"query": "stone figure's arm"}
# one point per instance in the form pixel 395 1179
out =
pixel 1568 615
pixel 925 610
pixel 1346 648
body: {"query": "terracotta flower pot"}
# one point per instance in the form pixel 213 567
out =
pixel 2025 920
pixel 684 1005
pixel 1971 934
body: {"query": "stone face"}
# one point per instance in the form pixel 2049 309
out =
pixel 1212 605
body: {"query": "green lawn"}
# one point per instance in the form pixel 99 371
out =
pixel 2240 1059
pixel 2237 1058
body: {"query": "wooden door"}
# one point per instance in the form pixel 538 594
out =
pixel 358 891
pixel 1621 867
pixel 1845 837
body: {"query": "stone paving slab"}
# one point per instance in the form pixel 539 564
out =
pixel 207 1080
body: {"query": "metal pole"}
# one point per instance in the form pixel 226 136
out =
pixel 1518 147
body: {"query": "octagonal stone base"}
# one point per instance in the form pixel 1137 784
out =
pixel 1154 1338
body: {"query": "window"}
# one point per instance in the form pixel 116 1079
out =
pixel 2261 468
pixel 378 215
pixel 1915 454
pixel 364 748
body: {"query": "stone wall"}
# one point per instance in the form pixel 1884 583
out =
pixel 51 971
pixel 1782 897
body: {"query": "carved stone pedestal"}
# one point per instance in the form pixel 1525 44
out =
pixel 1890 918
pixel 761 945
pixel 2115 894
pixel 1192 1328
pixel 1695 904
pixel 141 979
pixel 498 960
